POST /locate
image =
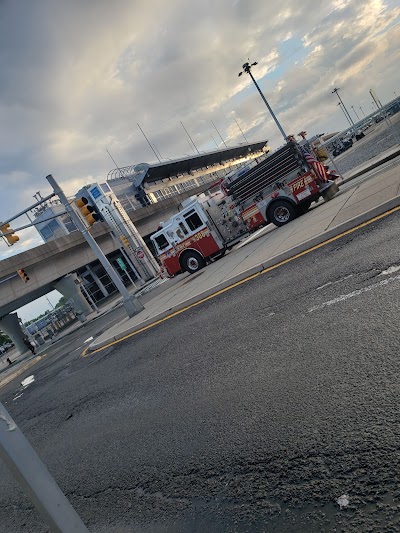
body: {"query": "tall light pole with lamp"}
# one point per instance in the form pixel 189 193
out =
pixel 336 91
pixel 340 105
pixel 247 69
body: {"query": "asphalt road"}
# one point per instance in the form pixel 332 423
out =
pixel 251 412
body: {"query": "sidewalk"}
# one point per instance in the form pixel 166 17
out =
pixel 272 245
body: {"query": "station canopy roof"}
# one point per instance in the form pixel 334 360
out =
pixel 158 171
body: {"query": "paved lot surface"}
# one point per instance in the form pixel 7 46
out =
pixel 378 138
pixel 252 412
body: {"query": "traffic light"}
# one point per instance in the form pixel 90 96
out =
pixel 23 275
pixel 125 241
pixel 88 212
pixel 11 239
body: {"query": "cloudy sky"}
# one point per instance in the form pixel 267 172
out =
pixel 77 75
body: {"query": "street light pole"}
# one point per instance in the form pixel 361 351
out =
pixel 336 91
pixel 362 111
pixel 131 304
pixel 340 105
pixel 247 68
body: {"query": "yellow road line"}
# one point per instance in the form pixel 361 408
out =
pixel 85 353
pixel 21 370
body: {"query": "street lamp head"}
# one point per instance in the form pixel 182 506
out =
pixel 247 67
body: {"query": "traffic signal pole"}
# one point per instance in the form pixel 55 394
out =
pixel 35 479
pixel 131 304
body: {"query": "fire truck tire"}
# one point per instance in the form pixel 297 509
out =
pixel 192 262
pixel 281 212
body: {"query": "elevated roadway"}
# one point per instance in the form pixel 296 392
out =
pixel 45 265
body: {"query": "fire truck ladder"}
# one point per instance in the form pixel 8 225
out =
pixel 285 161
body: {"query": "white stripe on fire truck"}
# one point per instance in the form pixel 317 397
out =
pixel 247 214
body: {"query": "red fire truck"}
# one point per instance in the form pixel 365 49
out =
pixel 277 190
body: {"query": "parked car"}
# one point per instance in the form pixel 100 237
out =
pixel 342 145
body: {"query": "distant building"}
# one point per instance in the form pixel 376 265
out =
pixel 138 186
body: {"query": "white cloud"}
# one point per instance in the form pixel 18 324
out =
pixel 77 77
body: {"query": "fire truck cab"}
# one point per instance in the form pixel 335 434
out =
pixel 201 231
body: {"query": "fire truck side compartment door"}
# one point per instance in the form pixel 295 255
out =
pixel 228 224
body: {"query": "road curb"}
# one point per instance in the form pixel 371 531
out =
pixel 288 255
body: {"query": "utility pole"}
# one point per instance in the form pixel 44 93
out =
pixel 247 68
pixel 336 91
pixel 51 305
pixel 131 304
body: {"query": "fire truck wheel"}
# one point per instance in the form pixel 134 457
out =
pixel 281 212
pixel 192 262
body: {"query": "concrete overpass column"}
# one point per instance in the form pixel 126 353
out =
pixel 69 288
pixel 10 325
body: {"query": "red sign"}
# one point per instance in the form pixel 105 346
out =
pixel 140 254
